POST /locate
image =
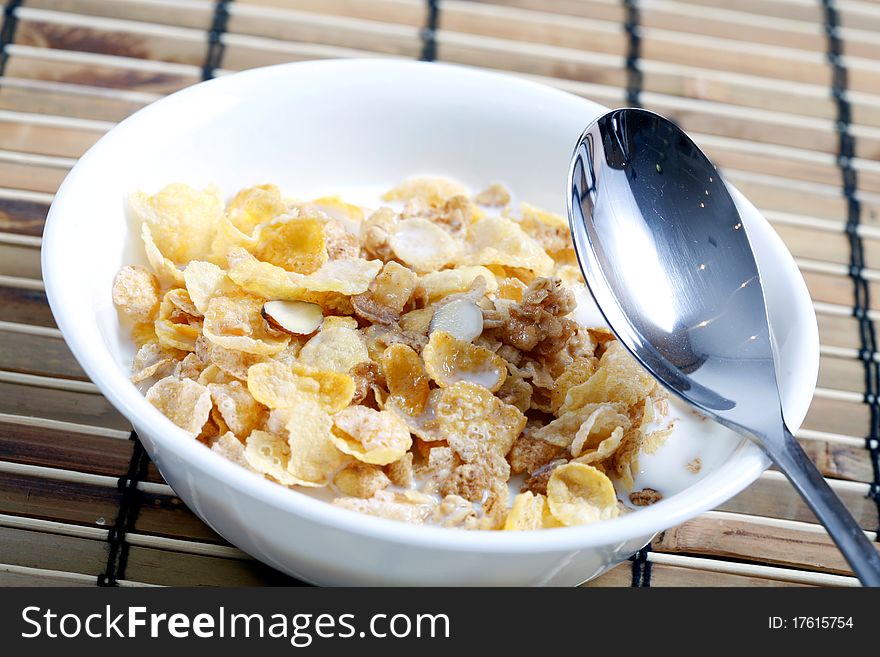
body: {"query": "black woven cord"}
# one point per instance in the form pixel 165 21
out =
pixel 429 32
pixel 641 568
pixel 7 33
pixel 634 49
pixel 861 289
pixel 214 56
pixel 129 507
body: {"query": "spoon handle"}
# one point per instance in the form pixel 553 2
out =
pixel 861 553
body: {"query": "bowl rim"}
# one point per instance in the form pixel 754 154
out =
pixel 743 467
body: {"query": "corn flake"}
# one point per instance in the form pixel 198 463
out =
pixel 254 206
pixel 136 293
pixel 449 361
pixel 499 241
pixel 335 347
pixel 406 378
pixel 183 401
pixel 234 322
pixel 377 437
pixel 579 494
pixel 423 245
pixel 472 420
pixel 295 244
pixel 181 220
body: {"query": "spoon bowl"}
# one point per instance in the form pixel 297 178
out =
pixel 668 260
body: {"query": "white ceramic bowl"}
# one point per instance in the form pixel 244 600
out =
pixel 331 126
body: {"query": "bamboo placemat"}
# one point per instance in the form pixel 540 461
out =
pixel 783 94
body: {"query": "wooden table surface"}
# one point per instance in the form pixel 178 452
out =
pixel 783 94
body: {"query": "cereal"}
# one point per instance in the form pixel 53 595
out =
pixel 423 245
pixel 495 195
pixel 527 512
pixel 406 378
pixel 645 497
pixel 239 410
pixel 361 480
pixel 254 206
pixel 408 507
pixel 448 361
pixel 272 282
pixel 205 280
pixel 183 401
pixel 439 284
pixel 618 378
pixel 136 293
pixel 408 359
pixel 499 241
pixel 153 359
pixel 434 191
pixel 295 244
pixel 234 322
pixel 401 472
pixel 472 420
pixel 579 494
pixel 231 448
pixel 277 385
pixel 337 348
pixel 181 220
pixel 378 437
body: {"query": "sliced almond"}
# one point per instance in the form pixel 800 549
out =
pixel 293 317
pixel 461 318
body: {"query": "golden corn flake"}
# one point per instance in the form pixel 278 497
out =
pixel 579 371
pixel 240 411
pixel 406 378
pixel 378 437
pixel 425 425
pixel 472 419
pixel 579 494
pixel 180 299
pixel 294 244
pixel 234 322
pixel 269 454
pixel 153 359
pixel 204 281
pixel 167 272
pixel 361 480
pixel 181 220
pixel 264 279
pixel 314 458
pixel 335 390
pixel 439 284
pixel 619 378
pixel 136 293
pixel 526 513
pixel 495 195
pixel 434 191
pixel 277 385
pixel 423 245
pixel 337 348
pixel 174 328
pixel 183 401
pixel 254 206
pixel 449 361
pixel 230 448
pixel 602 430
pixel 499 241
pixel 394 286
pixel 410 507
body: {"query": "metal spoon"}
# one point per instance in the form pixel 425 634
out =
pixel 667 259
